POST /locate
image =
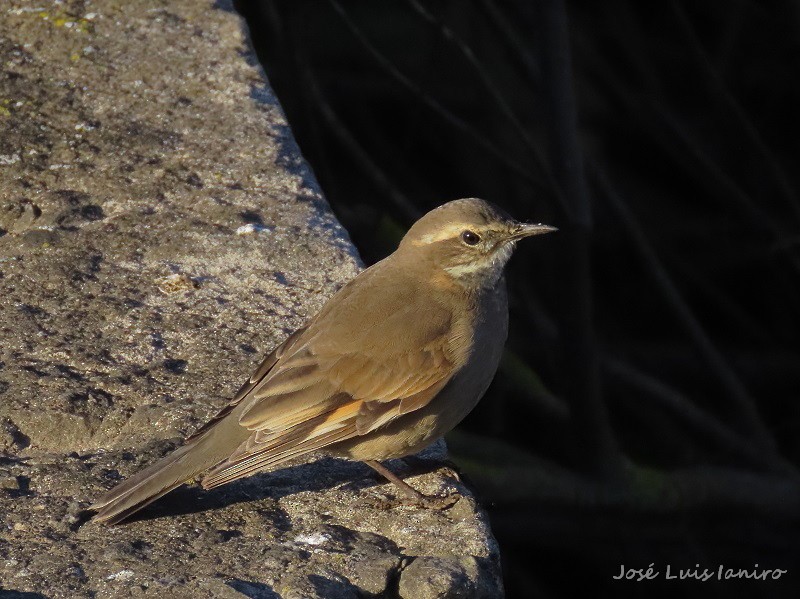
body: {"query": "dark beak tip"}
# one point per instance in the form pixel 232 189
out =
pixel 528 230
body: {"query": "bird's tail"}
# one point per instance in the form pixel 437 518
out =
pixel 186 462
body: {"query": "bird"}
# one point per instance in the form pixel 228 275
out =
pixel 394 360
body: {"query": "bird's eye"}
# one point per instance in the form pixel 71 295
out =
pixel 470 237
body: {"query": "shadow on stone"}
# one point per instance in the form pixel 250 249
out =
pixel 253 590
pixel 334 589
pixel 315 476
pixel 225 5
pixel 262 94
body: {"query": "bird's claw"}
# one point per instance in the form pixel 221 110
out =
pixel 433 502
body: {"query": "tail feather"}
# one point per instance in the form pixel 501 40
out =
pixel 146 486
pixel 185 463
pixel 117 512
pixel 228 471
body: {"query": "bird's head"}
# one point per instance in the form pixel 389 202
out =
pixel 470 239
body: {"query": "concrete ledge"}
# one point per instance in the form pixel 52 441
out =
pixel 161 233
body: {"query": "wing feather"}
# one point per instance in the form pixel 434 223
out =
pixel 261 460
pixel 290 424
pixel 330 385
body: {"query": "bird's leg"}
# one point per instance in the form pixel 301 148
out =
pixel 415 496
pixel 407 489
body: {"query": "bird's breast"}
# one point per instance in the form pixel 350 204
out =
pixel 490 331
pixel 467 386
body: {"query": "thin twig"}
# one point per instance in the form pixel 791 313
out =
pixel 368 166
pixel 725 302
pixel 601 452
pixel 567 157
pixel 750 419
pixel 711 428
pixel 712 76
pixel 493 90
pixel 435 106
pixel 511 38
pixel 527 479
pixel 710 174
pixel 706 170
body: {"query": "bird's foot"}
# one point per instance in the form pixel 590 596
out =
pixel 427 502
pixel 433 502
pixel 411 495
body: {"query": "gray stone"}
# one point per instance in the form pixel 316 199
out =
pixel 159 233
pixel 448 577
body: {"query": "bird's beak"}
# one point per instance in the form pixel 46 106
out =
pixel 527 229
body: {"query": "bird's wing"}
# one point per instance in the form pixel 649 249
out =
pixel 325 391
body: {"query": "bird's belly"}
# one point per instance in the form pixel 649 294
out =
pixel 400 438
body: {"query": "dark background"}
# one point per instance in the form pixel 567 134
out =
pixel 647 408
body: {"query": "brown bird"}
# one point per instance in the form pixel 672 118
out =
pixel 394 360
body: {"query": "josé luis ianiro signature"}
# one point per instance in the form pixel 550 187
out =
pixel 696 573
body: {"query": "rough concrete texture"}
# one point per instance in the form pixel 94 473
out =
pixel 160 232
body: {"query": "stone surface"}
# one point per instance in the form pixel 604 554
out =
pixel 159 233
pixel 325 529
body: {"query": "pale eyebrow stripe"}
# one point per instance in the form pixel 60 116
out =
pixel 446 233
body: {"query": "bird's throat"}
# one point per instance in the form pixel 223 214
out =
pixel 481 273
